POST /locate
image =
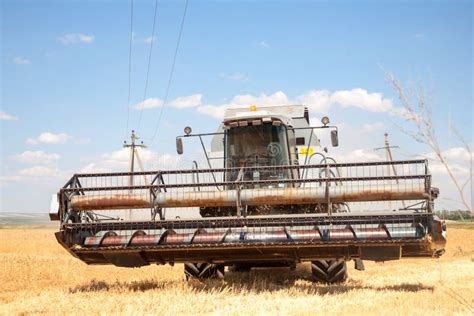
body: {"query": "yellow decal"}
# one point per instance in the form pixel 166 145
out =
pixel 305 151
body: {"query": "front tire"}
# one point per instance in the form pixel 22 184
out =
pixel 329 271
pixel 203 271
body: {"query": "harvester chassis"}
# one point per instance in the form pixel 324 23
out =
pixel 207 244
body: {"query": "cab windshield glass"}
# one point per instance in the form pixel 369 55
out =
pixel 261 145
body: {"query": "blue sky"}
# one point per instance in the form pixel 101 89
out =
pixel 64 77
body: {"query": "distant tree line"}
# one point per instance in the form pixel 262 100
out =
pixel 455 215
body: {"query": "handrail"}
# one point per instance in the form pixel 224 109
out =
pixel 353 164
pixel 244 182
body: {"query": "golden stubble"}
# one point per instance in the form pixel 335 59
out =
pixel 39 277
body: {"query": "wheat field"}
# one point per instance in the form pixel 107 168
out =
pixel 39 277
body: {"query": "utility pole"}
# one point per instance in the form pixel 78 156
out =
pixel 133 155
pixel 389 157
pixel 388 152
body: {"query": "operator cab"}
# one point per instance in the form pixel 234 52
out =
pixel 257 139
pixel 254 145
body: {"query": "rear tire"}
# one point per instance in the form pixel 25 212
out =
pixel 329 271
pixel 203 271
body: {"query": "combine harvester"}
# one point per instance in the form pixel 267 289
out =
pixel 276 199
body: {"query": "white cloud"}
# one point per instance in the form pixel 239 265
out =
pixel 148 104
pixel 213 111
pixel 457 153
pixel 73 38
pixel 187 102
pixel 458 161
pixel 418 35
pixel 372 127
pixel 21 61
pixel 37 157
pixel 94 167
pixel 119 161
pixel 361 98
pixel 39 171
pixel 146 40
pixel 437 168
pixel 179 103
pixel 319 101
pixel 123 155
pixel 4 180
pixel 49 138
pixel 454 154
pixel 405 114
pixel 7 117
pixel 278 98
pixel 168 161
pixel 263 44
pixel 358 155
pixel 217 111
pixel 322 100
pixel 237 76
pixel 149 39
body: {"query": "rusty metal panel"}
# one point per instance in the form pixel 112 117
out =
pixel 275 196
pixel 233 237
pixel 93 241
pixel 172 238
pixel 110 202
pixel 115 241
pixel 266 236
pixel 204 237
pixel 402 232
pixel 340 234
pixel 370 233
pixel 145 240
pixel 305 234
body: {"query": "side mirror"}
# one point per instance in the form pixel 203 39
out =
pixel 334 138
pixel 179 145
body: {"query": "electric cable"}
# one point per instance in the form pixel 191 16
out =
pixel 129 67
pixel 170 79
pixel 148 67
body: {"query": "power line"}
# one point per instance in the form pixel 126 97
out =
pixel 129 67
pixel 170 79
pixel 148 66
